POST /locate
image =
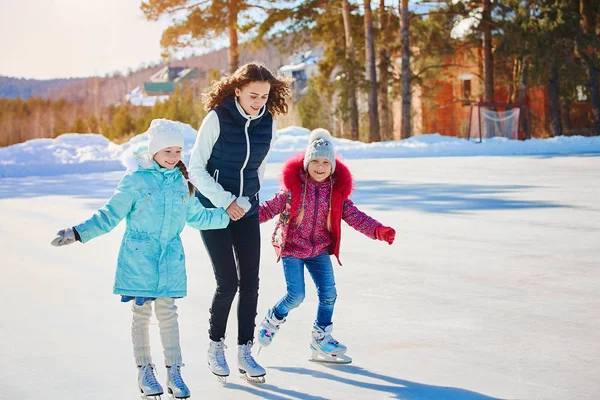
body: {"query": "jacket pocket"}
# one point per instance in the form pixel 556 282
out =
pixel 139 270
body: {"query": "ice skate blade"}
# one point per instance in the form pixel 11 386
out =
pixel 221 378
pixel 172 396
pixel 252 379
pixel 151 396
pixel 332 361
pixel 329 358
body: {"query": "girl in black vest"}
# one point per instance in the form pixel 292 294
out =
pixel 227 165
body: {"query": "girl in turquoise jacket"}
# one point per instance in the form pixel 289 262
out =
pixel 156 201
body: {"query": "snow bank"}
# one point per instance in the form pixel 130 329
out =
pixel 86 153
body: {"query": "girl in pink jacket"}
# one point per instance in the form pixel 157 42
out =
pixel 311 205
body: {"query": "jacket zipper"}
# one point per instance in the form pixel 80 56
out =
pixel 247 157
pixel 143 205
pixel 216 175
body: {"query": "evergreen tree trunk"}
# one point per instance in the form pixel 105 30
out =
pixel 565 118
pixel 554 101
pixel 406 74
pixel 234 51
pixel 595 97
pixel 524 116
pixel 385 126
pixel 373 134
pixel 589 14
pixel 488 60
pixel 352 102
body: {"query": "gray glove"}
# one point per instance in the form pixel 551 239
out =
pixel 243 203
pixel 64 237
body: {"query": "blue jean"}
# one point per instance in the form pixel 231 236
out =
pixel 321 271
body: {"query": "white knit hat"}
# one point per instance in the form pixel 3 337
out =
pixel 164 133
pixel 320 145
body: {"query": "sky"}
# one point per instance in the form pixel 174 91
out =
pixel 45 39
pixel 490 290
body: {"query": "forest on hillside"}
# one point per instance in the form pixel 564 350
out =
pixel 386 70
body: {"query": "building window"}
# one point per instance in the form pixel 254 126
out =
pixel 466 89
pixel 465 86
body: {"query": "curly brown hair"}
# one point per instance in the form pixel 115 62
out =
pixel 247 73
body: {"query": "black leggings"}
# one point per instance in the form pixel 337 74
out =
pixel 235 255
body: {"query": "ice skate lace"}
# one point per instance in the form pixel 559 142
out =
pixel 329 339
pixel 269 325
pixel 247 354
pixel 176 375
pixel 220 353
pixel 148 371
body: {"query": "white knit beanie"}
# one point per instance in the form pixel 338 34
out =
pixel 164 133
pixel 320 145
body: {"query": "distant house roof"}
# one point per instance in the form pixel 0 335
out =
pixel 164 81
pixel 160 86
pixel 157 88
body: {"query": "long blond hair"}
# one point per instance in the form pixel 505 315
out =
pixel 247 73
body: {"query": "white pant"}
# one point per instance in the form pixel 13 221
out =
pixel 166 314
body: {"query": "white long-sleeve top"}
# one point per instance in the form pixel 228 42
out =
pixel 207 137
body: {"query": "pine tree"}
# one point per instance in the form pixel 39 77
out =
pixel 200 22
pixel 350 63
pixel 405 131
pixel 371 76
pixel 384 63
pixel 312 109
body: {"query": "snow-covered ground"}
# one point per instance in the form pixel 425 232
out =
pixel 84 153
pixel 490 291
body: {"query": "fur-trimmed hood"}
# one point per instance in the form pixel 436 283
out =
pixel 139 158
pixel 293 175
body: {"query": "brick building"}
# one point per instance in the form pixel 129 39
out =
pixel 444 106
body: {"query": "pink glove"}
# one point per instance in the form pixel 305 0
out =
pixel 385 233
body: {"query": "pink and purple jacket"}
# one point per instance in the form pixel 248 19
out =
pixel 312 237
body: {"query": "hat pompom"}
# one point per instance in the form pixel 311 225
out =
pixel 320 133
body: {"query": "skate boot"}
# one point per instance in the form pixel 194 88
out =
pixel 248 366
pixel 175 384
pixel 147 382
pixel 268 329
pixel 325 348
pixel 216 359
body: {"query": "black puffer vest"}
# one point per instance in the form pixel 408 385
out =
pixel 238 152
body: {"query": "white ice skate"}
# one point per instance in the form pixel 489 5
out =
pixel 175 384
pixel 325 348
pixel 247 365
pixel 216 360
pixel 268 328
pixel 147 382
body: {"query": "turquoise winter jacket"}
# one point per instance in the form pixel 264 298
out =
pixel 156 204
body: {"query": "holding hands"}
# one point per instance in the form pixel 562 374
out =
pixel 64 237
pixel 238 208
pixel 385 234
